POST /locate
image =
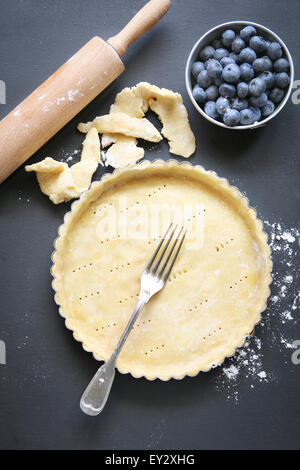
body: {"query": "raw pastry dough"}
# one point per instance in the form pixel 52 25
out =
pixel 123 124
pixel 61 182
pixel 135 102
pixel 214 296
pixel 123 152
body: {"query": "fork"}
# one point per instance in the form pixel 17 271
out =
pixel 153 279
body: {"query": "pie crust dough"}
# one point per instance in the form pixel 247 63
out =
pixel 123 124
pixel 215 294
pixel 61 182
pixel 135 102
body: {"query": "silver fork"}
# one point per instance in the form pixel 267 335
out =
pixel 153 280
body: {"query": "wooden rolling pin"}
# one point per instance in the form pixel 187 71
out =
pixel 51 106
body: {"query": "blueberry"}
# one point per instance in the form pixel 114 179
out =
pixel 242 89
pixel 247 117
pixel 221 52
pixel 197 67
pixel 247 72
pixel 211 110
pixel 212 93
pixel 204 79
pixel 237 45
pixel 222 105
pixel 276 94
pixel 217 81
pixel 226 61
pixel 227 91
pixel 263 64
pixel 258 44
pixel 239 104
pixel 227 37
pixel 234 57
pixel 282 80
pixel 214 68
pixel 247 32
pixel 281 65
pixel 247 55
pixel 269 78
pixel 274 50
pixel 231 73
pixel 256 112
pixel 207 53
pixel 257 86
pixel 199 94
pixel 268 108
pixel 259 101
pixel 217 43
pixel 231 117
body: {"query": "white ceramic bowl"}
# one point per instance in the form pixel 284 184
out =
pixel 215 33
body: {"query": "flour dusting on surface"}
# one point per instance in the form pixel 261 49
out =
pixel 276 331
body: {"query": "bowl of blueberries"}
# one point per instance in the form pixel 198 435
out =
pixel 239 75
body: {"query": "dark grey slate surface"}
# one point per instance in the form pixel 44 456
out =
pixel 46 369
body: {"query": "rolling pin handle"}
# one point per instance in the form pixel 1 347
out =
pixel 147 17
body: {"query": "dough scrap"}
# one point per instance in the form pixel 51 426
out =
pixel 61 182
pixel 135 102
pixel 122 153
pixel 123 124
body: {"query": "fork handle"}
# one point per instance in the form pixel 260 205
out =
pixel 96 394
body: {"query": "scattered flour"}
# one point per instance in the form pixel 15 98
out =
pixel 248 366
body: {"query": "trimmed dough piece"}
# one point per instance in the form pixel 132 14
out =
pixel 122 153
pixel 172 113
pixel 61 182
pixel 124 149
pixel 123 124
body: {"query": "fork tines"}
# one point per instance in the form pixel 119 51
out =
pixel 161 265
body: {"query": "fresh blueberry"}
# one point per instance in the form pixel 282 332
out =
pixel 231 117
pixel 247 72
pixel 257 86
pixel 263 64
pixel 227 37
pixel 207 53
pixel 211 110
pixel 214 68
pixel 217 81
pixel 247 32
pixel 281 65
pixel 217 43
pixel 282 80
pixel 247 55
pixel 231 73
pixel 259 101
pixel 276 94
pixel 242 89
pixel 199 94
pixel 204 79
pixel 256 112
pixel 239 104
pixel 212 93
pixel 237 45
pixel 247 117
pixel 197 67
pixel 221 52
pixel 258 44
pixel 235 57
pixel 226 61
pixel 222 105
pixel 269 78
pixel 268 108
pixel 274 50
pixel 227 91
